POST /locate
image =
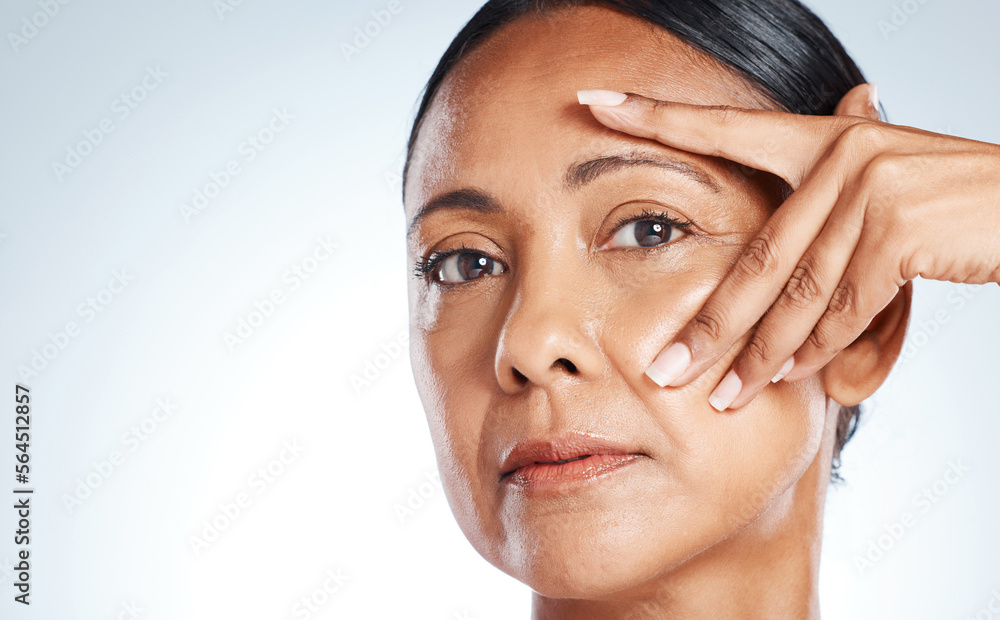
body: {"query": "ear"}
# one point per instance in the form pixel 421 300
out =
pixel 857 371
pixel 862 100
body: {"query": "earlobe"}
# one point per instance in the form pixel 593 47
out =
pixel 857 371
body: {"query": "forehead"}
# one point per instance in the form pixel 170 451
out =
pixel 510 105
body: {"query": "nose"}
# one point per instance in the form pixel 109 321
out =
pixel 546 339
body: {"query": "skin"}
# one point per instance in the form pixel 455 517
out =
pixel 864 219
pixel 715 496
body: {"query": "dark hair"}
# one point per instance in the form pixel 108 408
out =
pixel 778 47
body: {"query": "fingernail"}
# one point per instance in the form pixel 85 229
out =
pixel 600 97
pixel 873 95
pixel 785 369
pixel 727 391
pixel 669 364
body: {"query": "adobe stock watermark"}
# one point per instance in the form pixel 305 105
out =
pixel 417 496
pixel 900 15
pixel 87 310
pixel 253 145
pixel 131 439
pixel 129 610
pixel 364 35
pixel 6 571
pixel 32 25
pixel 920 334
pixel 878 427
pixel 121 108
pixel 265 307
pixel 393 177
pixel 224 7
pixel 992 609
pixel 257 483
pixel 372 367
pixel 313 601
pixel 923 501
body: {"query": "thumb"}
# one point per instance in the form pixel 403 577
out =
pixel 862 100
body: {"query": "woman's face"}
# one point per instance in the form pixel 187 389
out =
pixel 530 345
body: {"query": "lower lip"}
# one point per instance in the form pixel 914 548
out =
pixel 553 476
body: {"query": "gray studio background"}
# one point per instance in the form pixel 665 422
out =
pixel 239 359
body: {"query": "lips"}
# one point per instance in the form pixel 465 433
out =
pixel 564 460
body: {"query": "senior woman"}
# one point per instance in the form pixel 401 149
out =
pixel 589 182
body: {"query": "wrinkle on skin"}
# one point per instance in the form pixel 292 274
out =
pixel 721 496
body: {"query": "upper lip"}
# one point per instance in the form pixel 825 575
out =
pixel 559 448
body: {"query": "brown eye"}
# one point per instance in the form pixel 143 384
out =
pixel 644 234
pixel 649 233
pixel 467 266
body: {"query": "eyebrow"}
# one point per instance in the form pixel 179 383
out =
pixel 583 173
pixel 577 176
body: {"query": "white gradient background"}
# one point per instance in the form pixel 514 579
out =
pixel 331 173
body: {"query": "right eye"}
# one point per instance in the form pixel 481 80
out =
pixel 467 266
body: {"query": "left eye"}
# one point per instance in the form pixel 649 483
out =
pixel 643 234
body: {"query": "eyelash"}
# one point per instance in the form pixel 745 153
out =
pixel 424 266
pixel 657 216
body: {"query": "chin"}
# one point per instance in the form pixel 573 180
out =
pixel 576 564
pixel 602 551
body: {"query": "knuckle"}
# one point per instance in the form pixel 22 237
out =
pixel 890 203
pixel 758 259
pixel 843 303
pixel 917 263
pixel 758 351
pixel 659 114
pixel 820 339
pixel 833 333
pixel 723 114
pixel 708 324
pixel 862 136
pixel 840 317
pixel 803 288
pixel 884 171
pixel 659 105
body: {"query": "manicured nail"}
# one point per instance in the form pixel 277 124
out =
pixel 669 364
pixel 873 95
pixel 600 97
pixel 785 369
pixel 727 391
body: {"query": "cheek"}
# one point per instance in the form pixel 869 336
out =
pixel 650 300
pixel 738 462
pixel 727 467
pixel 452 361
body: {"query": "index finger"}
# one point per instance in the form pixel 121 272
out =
pixel 788 145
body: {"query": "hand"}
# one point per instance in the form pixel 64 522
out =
pixel 874 206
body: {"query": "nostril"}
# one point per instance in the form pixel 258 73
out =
pixel 570 366
pixel 521 379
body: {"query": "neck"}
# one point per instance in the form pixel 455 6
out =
pixel 769 570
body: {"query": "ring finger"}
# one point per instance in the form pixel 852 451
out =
pixel 804 300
